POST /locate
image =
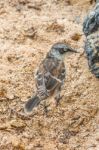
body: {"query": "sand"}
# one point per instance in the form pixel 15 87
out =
pixel 28 29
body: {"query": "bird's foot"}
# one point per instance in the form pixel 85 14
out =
pixel 45 108
pixel 57 100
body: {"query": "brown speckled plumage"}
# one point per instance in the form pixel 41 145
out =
pixel 49 76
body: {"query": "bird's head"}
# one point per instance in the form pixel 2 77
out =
pixel 62 48
pixel 59 49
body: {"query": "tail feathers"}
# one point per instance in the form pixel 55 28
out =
pixel 31 103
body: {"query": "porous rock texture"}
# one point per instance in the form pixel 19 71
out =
pixel 28 28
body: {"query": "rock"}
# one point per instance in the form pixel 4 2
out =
pixel 55 27
pixel 17 124
pixel 76 36
pixel 17 144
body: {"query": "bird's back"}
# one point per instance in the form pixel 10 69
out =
pixel 51 68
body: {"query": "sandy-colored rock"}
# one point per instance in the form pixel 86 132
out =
pixel 18 124
pixel 28 28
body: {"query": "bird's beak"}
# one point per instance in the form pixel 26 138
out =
pixel 69 49
pixel 72 50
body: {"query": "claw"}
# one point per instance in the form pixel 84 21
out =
pixel 58 99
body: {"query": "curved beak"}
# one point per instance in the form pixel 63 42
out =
pixel 73 50
pixel 69 49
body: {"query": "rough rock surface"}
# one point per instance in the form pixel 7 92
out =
pixel 27 31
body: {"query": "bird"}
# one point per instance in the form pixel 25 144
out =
pixel 91 31
pixel 50 76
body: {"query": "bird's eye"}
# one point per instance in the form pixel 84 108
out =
pixel 62 50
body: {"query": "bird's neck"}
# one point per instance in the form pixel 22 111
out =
pixel 55 55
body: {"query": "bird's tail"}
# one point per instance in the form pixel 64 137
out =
pixel 31 103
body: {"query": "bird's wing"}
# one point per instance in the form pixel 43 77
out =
pixel 53 73
pixel 40 84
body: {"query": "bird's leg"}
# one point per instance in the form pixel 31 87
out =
pixel 58 96
pixel 57 89
pixel 45 107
